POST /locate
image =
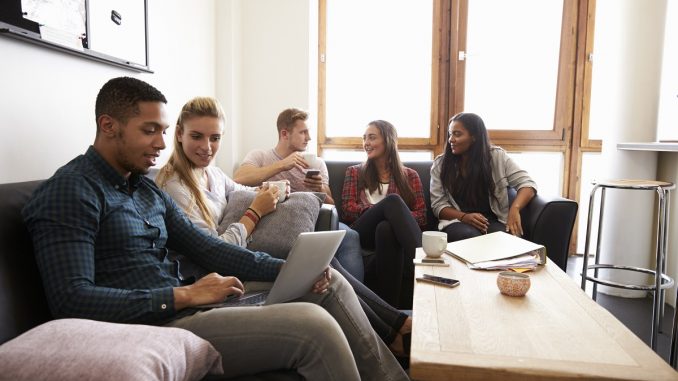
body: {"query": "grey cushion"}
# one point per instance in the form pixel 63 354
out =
pixel 78 349
pixel 276 232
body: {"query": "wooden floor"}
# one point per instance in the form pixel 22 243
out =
pixel 635 313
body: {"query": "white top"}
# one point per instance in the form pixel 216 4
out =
pixel 216 187
pixel 261 158
pixel 378 194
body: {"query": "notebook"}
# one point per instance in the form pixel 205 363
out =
pixel 310 255
pixel 493 247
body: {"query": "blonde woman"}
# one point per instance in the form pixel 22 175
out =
pixel 201 190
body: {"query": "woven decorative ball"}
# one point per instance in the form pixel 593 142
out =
pixel 512 283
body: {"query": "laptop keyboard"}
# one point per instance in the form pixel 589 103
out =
pixel 248 299
pixel 253 299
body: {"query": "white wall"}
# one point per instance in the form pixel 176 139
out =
pixel 253 55
pixel 628 61
pixel 667 123
pixel 228 67
pixel 263 68
pixel 47 97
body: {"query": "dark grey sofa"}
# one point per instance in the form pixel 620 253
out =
pixel 547 220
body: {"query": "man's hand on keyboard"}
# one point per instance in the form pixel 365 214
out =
pixel 212 288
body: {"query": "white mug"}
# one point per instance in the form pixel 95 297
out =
pixel 282 188
pixel 311 159
pixel 434 243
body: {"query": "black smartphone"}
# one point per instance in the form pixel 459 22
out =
pixel 447 282
pixel 312 172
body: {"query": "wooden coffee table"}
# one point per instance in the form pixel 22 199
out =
pixel 555 332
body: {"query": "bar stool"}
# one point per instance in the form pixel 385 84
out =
pixel 661 280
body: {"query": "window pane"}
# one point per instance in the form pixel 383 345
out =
pixel 351 155
pixel 545 168
pixel 605 71
pixel 512 62
pixel 378 66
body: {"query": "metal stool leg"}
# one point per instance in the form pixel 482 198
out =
pixel 674 335
pixel 665 240
pixel 594 295
pixel 585 266
pixel 659 270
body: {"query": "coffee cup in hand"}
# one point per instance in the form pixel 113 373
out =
pixel 311 159
pixel 282 189
pixel 433 243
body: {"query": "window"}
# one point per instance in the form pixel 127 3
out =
pixel 512 65
pixel 416 63
pixel 367 55
pixel 376 62
pixel 523 65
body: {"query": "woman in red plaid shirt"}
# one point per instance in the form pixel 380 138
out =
pixel 384 202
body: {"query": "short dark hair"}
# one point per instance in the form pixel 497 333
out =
pixel 288 117
pixel 119 98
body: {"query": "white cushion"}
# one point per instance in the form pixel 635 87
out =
pixel 78 349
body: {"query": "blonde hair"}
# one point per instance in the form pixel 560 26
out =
pixel 179 164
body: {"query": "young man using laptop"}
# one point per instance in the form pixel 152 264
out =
pixel 101 233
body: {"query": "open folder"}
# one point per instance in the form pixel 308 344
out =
pixel 497 250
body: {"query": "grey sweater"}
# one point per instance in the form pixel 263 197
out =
pixel 505 173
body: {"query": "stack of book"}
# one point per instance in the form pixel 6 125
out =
pixel 498 251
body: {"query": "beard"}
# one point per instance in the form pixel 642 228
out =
pixel 124 159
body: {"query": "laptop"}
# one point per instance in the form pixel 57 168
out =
pixel 310 255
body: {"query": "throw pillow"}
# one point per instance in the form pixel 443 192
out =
pixel 79 349
pixel 276 232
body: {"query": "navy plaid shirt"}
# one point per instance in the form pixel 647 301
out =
pixel 101 244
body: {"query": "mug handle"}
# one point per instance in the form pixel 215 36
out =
pixel 442 244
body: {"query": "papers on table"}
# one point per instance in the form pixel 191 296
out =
pixel 527 261
pixel 498 251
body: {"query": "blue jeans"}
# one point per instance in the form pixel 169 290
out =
pixel 349 253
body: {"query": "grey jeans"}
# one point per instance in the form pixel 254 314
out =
pixel 326 338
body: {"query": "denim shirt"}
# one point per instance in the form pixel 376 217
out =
pixel 101 244
pixel 505 173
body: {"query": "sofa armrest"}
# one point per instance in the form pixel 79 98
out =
pixel 549 221
pixel 328 218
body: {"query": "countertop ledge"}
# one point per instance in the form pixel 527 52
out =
pixel 649 146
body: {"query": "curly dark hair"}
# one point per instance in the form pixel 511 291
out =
pixel 119 98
